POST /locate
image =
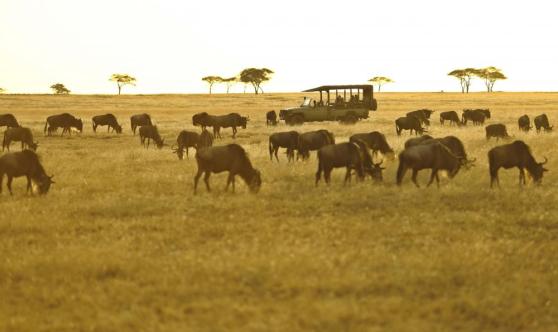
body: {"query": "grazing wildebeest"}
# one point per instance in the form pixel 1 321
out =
pixel 288 140
pixel 8 120
pixel 202 119
pixel 139 120
pixel 271 118
pixel 313 140
pixel 421 115
pixel 476 116
pixel 541 121
pixel 19 134
pixel 524 123
pixel 450 116
pixel 351 155
pixel 25 163
pixel 409 123
pixel 497 130
pixel 428 156
pixel 516 154
pixel 186 139
pixel 150 133
pixel 108 120
pixel 417 140
pixel 225 121
pixel 376 142
pixel 231 158
pixel 455 145
pixel 206 139
pixel 65 121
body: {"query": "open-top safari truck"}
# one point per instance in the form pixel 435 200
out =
pixel 344 103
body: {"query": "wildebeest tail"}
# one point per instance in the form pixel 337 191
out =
pixel 400 170
pixel 46 125
pixel 270 149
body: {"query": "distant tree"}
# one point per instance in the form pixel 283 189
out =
pixel 212 80
pixel 255 77
pixel 465 76
pixel 490 75
pixel 229 82
pixel 2 90
pixel 122 80
pixel 380 80
pixel 59 89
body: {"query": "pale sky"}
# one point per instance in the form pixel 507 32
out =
pixel 169 45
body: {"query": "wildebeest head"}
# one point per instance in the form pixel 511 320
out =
pixel 43 184
pixel 79 125
pixel 179 152
pixel 118 128
pixel 243 121
pixel 33 146
pixel 255 181
pixel 537 171
pixel 160 143
pixel 376 171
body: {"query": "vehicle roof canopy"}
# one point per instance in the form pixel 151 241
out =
pixel 340 87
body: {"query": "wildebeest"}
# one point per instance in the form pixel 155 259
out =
pixel 138 120
pixel 288 140
pixel 351 155
pixel 225 121
pixel 516 154
pixel 409 123
pixel 202 119
pixel 541 121
pixel 497 130
pixel 524 123
pixel 434 156
pixel 25 163
pixel 271 118
pixel 150 133
pixel 375 141
pixel 186 139
pixel 422 115
pixel 206 139
pixel 476 116
pixel 417 140
pixel 231 158
pixel 108 120
pixel 455 145
pixel 65 121
pixel 19 134
pixel 450 116
pixel 313 140
pixel 8 120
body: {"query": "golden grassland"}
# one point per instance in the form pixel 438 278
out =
pixel 121 244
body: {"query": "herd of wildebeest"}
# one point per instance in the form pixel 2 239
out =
pixel 421 152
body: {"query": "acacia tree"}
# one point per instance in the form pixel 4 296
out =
pixel 380 80
pixel 490 75
pixel 256 77
pixel 212 80
pixel 59 89
pixel 465 76
pixel 122 79
pixel 229 82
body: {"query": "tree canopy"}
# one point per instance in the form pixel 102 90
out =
pixel 212 80
pixel 380 80
pixel 489 74
pixel 60 89
pixel 122 80
pixel 255 76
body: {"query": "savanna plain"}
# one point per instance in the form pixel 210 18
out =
pixel 120 243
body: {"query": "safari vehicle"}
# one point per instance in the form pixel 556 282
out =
pixel 344 103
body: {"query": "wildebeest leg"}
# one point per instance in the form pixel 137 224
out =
pixel 521 177
pixel 348 175
pixel 10 178
pixel 28 183
pixel 148 141
pixel 414 178
pixel 196 179
pixel 187 153
pixel 276 150
pixel 327 175
pixel 1 181
pixel 230 180
pixel 234 132
pixel 206 180
pixel 22 145
pixel 318 173
pixel 494 177
pixel 433 175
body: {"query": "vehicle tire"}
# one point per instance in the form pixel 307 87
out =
pixel 296 120
pixel 350 119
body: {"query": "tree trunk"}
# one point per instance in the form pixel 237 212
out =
pixel 119 89
pixel 210 86
pixel 255 88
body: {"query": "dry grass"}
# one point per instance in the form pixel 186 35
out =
pixel 121 244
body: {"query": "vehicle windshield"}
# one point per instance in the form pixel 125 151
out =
pixel 306 102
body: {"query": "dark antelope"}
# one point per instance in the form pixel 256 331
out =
pixel 288 140
pixel 19 134
pixel 312 141
pixel 108 120
pixel 8 120
pixel 25 163
pixel 150 133
pixel 139 120
pixel 65 121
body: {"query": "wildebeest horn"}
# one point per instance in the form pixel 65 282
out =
pixel 50 178
pixel 545 161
